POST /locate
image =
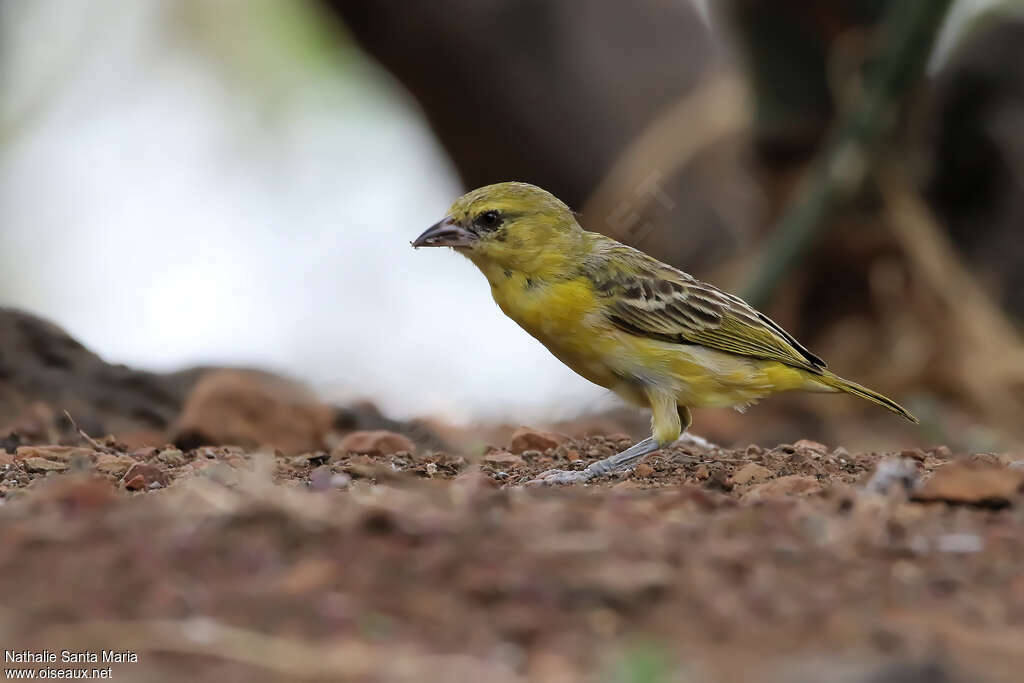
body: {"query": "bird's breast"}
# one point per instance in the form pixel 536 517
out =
pixel 565 316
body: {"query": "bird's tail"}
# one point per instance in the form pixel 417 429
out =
pixel 837 383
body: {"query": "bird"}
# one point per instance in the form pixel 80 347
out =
pixel 654 335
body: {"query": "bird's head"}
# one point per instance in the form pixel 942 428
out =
pixel 511 225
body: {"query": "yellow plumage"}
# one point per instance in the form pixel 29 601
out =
pixel 622 319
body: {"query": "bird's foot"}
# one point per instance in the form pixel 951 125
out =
pixel 618 462
pixel 556 477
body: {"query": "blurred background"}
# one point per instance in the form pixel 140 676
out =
pixel 235 183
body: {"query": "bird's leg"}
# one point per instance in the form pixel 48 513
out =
pixel 667 421
pixel 619 461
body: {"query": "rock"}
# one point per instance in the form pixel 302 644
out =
pixel 143 475
pixel 973 483
pixel 46 371
pixel 893 472
pixel 172 457
pixel 813 446
pixel 252 410
pixel 364 416
pixel 379 442
pixel 59 453
pixel 504 457
pixel 36 464
pixel 792 485
pixel 643 471
pixel 526 439
pixel 750 472
pixel 115 465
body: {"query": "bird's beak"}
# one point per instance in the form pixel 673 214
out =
pixel 446 233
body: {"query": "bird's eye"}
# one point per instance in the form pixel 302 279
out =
pixel 488 220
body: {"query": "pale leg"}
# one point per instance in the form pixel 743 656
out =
pixel 619 461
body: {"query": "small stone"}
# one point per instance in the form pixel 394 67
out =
pixel 320 478
pixel 59 453
pixel 172 457
pixel 502 457
pixel 377 442
pixel 526 439
pixel 115 465
pixel 914 453
pixel 643 471
pixel 701 472
pixel 140 475
pixel 43 465
pixel 146 453
pixel 813 446
pixel 573 455
pixel 893 475
pixel 136 483
pixel 253 410
pixel 749 473
pixel 973 483
pixel 792 485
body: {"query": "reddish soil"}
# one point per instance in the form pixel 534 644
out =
pixel 790 564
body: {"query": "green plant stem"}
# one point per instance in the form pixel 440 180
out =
pixel 905 40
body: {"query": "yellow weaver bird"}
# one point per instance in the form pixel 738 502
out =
pixel 653 334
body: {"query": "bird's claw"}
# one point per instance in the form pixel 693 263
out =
pixel 556 477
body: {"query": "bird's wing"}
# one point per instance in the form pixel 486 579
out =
pixel 648 298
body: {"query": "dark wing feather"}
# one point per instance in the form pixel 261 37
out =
pixel 648 298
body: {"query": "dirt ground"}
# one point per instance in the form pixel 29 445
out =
pixel 799 563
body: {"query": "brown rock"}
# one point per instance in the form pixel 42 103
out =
pixel 526 439
pixel 380 442
pixel 792 485
pixel 973 483
pixel 749 473
pixel 503 458
pixel 808 445
pixel 643 470
pixel 115 465
pixel 252 409
pixel 59 453
pixel 43 465
pixel 143 475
